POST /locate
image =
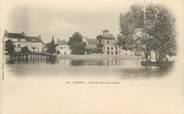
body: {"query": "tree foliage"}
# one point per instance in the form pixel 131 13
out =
pixel 51 47
pixel 148 28
pixel 9 47
pixel 76 44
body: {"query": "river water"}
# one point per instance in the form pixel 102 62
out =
pixel 121 67
pixel 41 88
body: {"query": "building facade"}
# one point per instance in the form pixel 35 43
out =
pixel 111 50
pixel 107 44
pixel 62 48
pixel 33 43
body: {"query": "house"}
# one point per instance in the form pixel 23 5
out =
pixel 107 44
pixel 105 39
pixel 111 50
pixel 62 47
pixel 33 43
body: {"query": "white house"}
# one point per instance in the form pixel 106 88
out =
pixel 62 48
pixel 34 43
pixel 111 50
pixel 107 43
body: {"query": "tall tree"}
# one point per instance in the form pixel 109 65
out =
pixel 51 47
pixel 9 47
pixel 76 44
pixel 153 26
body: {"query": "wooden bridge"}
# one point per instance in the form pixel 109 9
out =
pixel 26 57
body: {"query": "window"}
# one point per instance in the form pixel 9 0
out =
pixel 112 53
pixel 111 48
pixel 116 52
pixel 107 41
pixel 58 52
pixel 116 48
pixel 61 47
pixel 107 48
pixel 18 45
pixel 108 52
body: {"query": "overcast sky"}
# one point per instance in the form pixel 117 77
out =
pixel 61 18
pixel 62 23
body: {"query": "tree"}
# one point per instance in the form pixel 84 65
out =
pixel 9 47
pixel 125 42
pixel 153 26
pixel 76 44
pixel 51 47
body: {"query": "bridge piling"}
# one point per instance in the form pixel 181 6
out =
pixel 26 57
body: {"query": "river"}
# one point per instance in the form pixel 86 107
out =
pixel 120 67
pixel 49 88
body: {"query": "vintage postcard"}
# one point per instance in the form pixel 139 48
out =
pixel 92 57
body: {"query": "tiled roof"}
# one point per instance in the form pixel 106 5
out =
pixel 23 36
pixel 110 37
pixel 106 30
pixel 14 35
pixel 105 35
pixel 33 39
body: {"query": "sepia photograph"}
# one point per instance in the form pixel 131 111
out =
pixel 92 57
pixel 136 43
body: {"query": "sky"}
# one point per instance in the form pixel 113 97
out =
pixel 61 18
pixel 62 23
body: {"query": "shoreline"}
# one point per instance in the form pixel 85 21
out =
pixel 99 56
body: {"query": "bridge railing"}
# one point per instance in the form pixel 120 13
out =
pixel 29 57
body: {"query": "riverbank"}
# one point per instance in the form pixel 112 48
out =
pixel 97 56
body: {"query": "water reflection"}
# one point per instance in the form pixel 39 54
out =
pixel 14 60
pixel 127 67
pixel 86 62
pixel 100 62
